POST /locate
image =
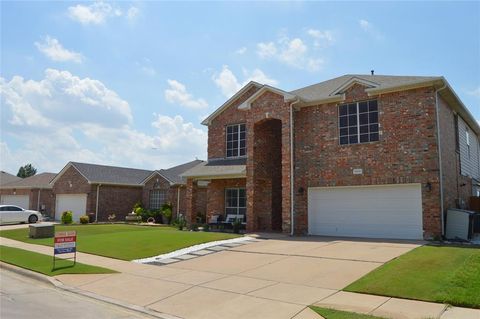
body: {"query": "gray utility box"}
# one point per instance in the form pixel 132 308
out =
pixel 460 224
pixel 42 230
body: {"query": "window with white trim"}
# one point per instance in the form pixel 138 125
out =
pixel 358 122
pixel 236 140
pixel 158 197
pixel 236 202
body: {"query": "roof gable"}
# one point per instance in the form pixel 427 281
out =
pixel 225 105
pixel 351 82
pixel 266 88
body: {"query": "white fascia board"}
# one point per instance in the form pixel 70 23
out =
pixel 287 97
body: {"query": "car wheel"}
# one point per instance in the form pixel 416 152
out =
pixel 32 219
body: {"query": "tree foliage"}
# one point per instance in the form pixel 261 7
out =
pixel 26 171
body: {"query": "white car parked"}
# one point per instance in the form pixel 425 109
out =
pixel 10 214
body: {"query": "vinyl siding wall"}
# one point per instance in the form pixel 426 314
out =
pixel 469 164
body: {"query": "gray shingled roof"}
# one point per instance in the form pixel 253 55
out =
pixel 7 178
pixel 173 174
pixel 324 90
pixel 41 180
pixel 111 174
pixel 208 171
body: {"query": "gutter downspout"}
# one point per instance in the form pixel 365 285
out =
pixel 439 147
pixel 292 180
pixel 178 200
pixel 38 200
pixel 96 204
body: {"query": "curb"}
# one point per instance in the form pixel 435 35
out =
pixel 59 285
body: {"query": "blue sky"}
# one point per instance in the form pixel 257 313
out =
pixel 127 83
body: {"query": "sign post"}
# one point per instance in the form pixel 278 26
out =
pixel 65 242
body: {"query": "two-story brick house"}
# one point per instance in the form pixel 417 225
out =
pixel 357 155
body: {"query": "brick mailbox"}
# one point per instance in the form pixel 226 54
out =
pixel 43 230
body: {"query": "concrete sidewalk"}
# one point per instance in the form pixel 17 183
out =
pixel 275 278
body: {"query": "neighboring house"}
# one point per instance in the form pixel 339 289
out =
pixel 357 155
pixel 105 190
pixel 7 178
pixel 34 192
pixel 166 185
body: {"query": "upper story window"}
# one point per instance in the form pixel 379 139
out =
pixel 236 140
pixel 358 122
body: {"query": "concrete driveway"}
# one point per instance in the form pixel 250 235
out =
pixel 275 278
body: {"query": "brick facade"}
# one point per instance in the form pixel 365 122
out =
pixel 406 152
pixel 215 194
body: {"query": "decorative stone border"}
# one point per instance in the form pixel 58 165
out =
pixel 195 251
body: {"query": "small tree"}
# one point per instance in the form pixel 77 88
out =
pixel 26 171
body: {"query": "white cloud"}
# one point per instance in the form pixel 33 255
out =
pixel 132 13
pixel 292 52
pixel 98 12
pixel 474 92
pixel 229 84
pixel 63 117
pixel 266 49
pixel 241 51
pixel 177 93
pixel 55 51
pixel 370 29
pixel 321 38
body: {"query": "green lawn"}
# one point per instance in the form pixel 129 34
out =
pixel 43 263
pixel 125 242
pixel 431 273
pixel 337 314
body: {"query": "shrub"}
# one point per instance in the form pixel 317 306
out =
pixel 180 222
pixel 206 227
pixel 201 218
pixel 67 217
pixel 236 225
pixel 167 212
pixel 84 219
pixel 137 208
pixel 194 227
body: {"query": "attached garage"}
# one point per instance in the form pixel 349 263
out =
pixel 378 211
pixel 77 203
pixel 18 200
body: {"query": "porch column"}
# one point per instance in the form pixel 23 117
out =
pixel 191 199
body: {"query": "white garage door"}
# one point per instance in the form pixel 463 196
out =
pixel 381 211
pixel 18 200
pixel 77 203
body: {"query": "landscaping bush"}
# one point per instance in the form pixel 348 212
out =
pixel 206 227
pixel 67 217
pixel 195 226
pixel 236 225
pixel 180 222
pixel 84 219
pixel 167 212
pixel 201 218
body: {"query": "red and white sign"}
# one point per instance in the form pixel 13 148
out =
pixel 65 242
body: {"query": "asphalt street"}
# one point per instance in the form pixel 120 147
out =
pixel 22 297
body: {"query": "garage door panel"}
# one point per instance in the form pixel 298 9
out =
pixel 393 211
pixel 17 200
pixel 77 203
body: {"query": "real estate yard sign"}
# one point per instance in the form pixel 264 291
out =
pixel 65 242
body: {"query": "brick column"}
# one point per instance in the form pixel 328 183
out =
pixel 190 198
